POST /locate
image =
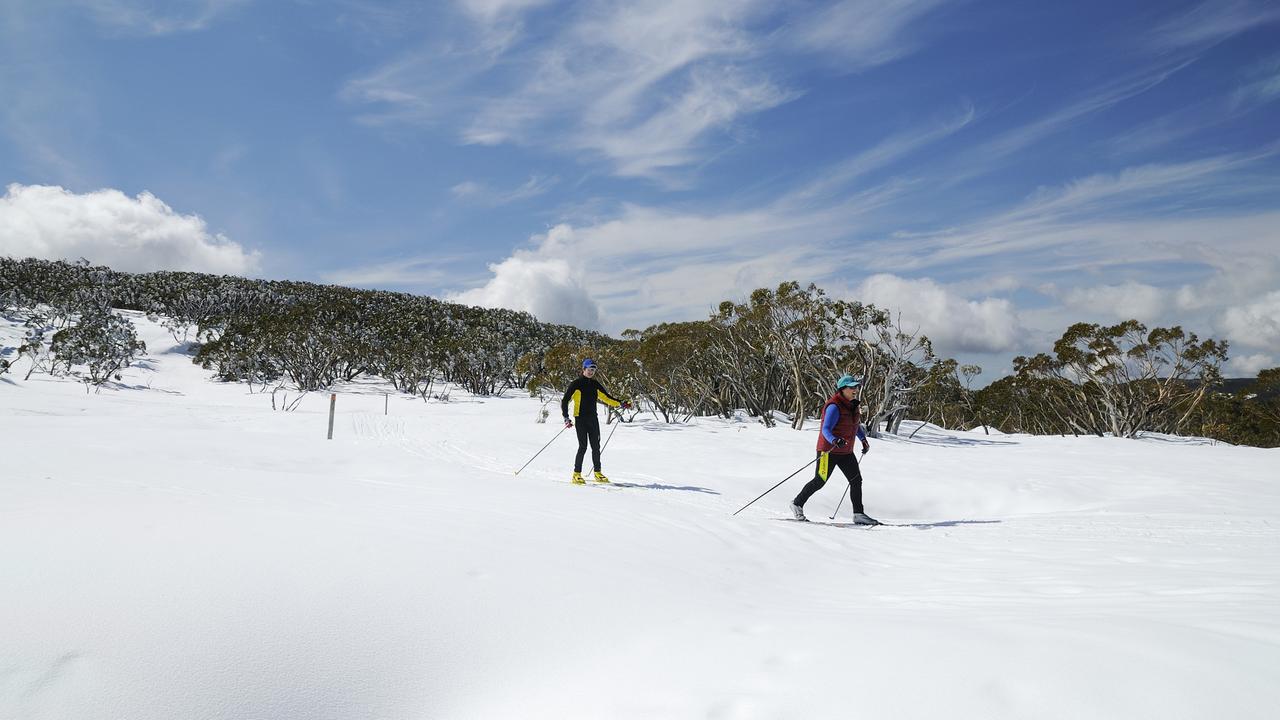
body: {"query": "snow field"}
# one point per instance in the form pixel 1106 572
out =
pixel 173 548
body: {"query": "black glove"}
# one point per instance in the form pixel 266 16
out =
pixel 626 404
pixel 840 442
pixel 568 423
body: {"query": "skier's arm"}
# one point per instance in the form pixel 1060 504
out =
pixel 604 397
pixel 829 421
pixel 564 402
pixel 862 434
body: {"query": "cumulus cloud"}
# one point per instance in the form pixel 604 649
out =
pixel 1255 324
pixel 1249 365
pixel 952 322
pixel 107 227
pixel 1135 300
pixel 549 288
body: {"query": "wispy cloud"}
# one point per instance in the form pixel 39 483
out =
pixel 1213 21
pixel 414 272
pixel 859 33
pixel 640 86
pixel 883 154
pixel 1080 218
pixel 985 157
pixel 146 18
pixel 1261 86
pixel 491 10
pixel 649 264
pixel 481 194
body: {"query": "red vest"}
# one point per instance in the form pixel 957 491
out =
pixel 846 426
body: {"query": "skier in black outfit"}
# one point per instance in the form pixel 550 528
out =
pixel 585 392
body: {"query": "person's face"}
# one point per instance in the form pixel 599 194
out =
pixel 589 371
pixel 849 392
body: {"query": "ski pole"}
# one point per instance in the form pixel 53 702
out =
pixel 846 490
pixel 842 496
pixel 544 447
pixel 615 427
pixel 775 487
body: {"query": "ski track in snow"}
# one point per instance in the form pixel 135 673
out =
pixel 171 547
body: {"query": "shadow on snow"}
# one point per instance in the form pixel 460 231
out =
pixel 658 486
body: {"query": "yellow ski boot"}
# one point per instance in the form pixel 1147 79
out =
pixel 577 479
pixel 600 478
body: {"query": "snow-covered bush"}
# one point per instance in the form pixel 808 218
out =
pixel 100 342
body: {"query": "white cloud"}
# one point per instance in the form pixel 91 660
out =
pixel 1249 365
pixel 107 227
pixel 638 84
pixel 861 33
pixel 549 288
pixel 643 86
pixel 1254 324
pixel 648 265
pixel 1102 219
pixel 669 138
pixel 953 323
pixel 1129 300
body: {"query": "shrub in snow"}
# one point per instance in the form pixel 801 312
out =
pixel 101 342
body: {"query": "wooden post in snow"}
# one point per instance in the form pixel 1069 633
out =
pixel 333 400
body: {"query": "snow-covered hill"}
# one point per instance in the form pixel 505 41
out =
pixel 173 548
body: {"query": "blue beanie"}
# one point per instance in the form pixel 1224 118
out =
pixel 848 381
pixel 588 363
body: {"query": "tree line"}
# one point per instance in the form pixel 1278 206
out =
pixel 773 355
pixel 270 333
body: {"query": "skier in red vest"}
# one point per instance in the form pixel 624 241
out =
pixel 841 421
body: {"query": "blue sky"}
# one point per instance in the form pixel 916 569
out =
pixel 992 170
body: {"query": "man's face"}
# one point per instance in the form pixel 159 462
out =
pixel 589 371
pixel 849 392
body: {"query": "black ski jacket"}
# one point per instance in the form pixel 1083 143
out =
pixel 584 392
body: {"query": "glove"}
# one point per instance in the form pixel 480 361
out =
pixel 568 423
pixel 840 442
pixel 866 447
pixel 626 404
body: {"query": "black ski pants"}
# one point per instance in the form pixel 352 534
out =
pixel 848 465
pixel 588 427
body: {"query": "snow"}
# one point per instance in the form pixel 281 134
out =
pixel 173 548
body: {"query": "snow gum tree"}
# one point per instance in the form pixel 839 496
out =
pixel 101 341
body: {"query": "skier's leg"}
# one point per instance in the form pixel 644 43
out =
pixel 594 435
pixel 581 427
pixel 819 479
pixel 848 465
